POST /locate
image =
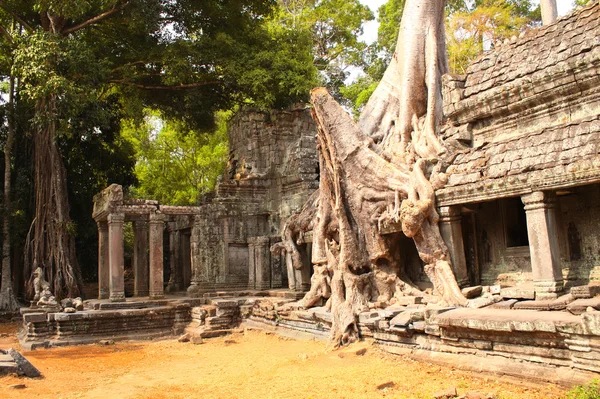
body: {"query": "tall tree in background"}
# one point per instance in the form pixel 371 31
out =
pixel 472 25
pixel 334 27
pixel 176 165
pixel 8 300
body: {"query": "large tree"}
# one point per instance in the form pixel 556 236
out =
pixel 380 171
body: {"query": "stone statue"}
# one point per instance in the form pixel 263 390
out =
pixel 43 295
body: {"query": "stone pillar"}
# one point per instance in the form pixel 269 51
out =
pixel 542 230
pixel 157 226
pixel 115 256
pixel 175 272
pixel 195 290
pixel 276 265
pixel 291 272
pixel 103 261
pixel 140 258
pixel 259 263
pixel 451 231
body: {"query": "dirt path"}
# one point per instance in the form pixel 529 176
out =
pixel 245 365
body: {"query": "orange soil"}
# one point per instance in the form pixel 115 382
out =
pixel 244 365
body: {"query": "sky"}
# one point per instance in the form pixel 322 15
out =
pixel 370 29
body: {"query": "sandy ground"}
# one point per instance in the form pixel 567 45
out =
pixel 246 365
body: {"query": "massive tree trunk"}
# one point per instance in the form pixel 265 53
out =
pixel 53 244
pixel 383 171
pixel 8 301
pixel 549 11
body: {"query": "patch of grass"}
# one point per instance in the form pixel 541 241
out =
pixel 590 390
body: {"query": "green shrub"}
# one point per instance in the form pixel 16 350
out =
pixel 590 390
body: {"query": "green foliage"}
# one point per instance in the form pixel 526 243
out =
pixel 175 165
pixel 471 29
pixel 590 390
pixel 333 28
pixel 390 16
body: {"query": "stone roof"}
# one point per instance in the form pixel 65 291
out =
pixel 531 110
pixel 518 75
pixel 537 51
pixel 560 156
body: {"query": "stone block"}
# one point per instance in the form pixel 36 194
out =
pixel 508 304
pixel 591 323
pixel 580 306
pixel 518 293
pixel 533 305
pixel 24 365
pixel 449 393
pixel 408 300
pixel 585 291
pixel 472 292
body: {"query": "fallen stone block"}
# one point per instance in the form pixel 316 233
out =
pixel 408 300
pixel 386 385
pixel 507 304
pixel 184 338
pixel 449 393
pixel 494 289
pixel 472 292
pixel 24 365
pixel 196 340
pixel 482 302
pixel 533 305
pixel 580 306
pixel 585 291
pixel 517 293
pixel 561 302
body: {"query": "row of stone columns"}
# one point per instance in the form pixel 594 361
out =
pixel 542 230
pixel 147 265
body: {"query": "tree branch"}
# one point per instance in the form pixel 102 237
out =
pixel 16 17
pixel 165 87
pixel 6 34
pixel 95 19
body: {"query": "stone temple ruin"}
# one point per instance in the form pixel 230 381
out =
pixel 518 215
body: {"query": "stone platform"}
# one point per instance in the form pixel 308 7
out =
pixel 542 346
pixel 136 318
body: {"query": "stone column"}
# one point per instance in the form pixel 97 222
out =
pixel 194 290
pixel 103 261
pixel 259 263
pixel 451 231
pixel 157 226
pixel 115 256
pixel 276 261
pixel 140 258
pixel 175 274
pixel 542 230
